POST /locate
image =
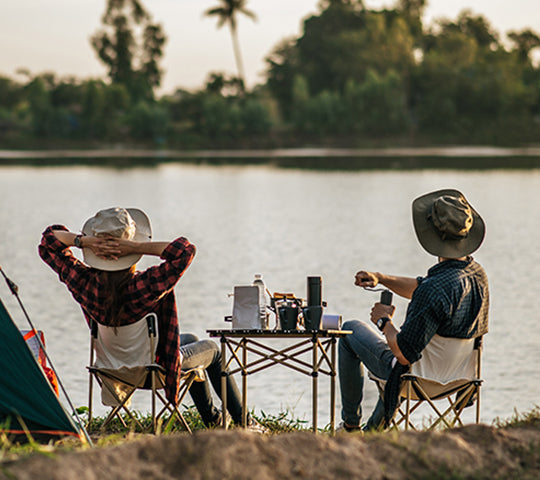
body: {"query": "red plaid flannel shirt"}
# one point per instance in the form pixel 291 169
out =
pixel 149 291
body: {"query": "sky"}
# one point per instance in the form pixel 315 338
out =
pixel 53 35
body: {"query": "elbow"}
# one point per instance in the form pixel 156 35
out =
pixel 42 252
pixel 394 346
pixel 401 358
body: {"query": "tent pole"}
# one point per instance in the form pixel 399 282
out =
pixel 15 291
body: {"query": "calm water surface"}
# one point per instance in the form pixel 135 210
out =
pixel 285 224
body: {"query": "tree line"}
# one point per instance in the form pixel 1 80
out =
pixel 353 75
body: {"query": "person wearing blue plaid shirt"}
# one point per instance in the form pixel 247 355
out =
pixel 452 300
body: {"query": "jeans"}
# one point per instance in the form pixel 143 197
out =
pixel 362 347
pixel 206 353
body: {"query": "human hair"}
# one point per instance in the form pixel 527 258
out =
pixel 115 283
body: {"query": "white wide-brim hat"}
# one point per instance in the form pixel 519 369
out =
pixel 126 223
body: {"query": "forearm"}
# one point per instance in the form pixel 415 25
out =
pixel 390 332
pixel 67 238
pixel 402 286
pixel 116 246
pixel 150 248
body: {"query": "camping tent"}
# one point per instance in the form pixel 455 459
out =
pixel 25 392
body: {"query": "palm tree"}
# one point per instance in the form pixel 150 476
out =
pixel 226 13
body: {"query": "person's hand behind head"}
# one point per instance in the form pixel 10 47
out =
pixel 105 247
pixel 125 247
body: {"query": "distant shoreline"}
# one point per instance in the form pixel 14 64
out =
pixel 458 157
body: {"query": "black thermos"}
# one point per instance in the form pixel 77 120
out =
pixel 314 291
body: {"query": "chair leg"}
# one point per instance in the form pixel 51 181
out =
pixel 460 403
pixel 90 396
pixel 434 407
pixel 187 381
pixel 154 390
pixel 408 406
pixel 477 390
pixel 121 403
pixel 173 410
pixel 406 418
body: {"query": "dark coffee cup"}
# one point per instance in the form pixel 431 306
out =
pixel 312 318
pixel 288 317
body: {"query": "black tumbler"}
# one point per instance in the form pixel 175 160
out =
pixel 386 297
pixel 314 291
pixel 312 317
pixel 288 317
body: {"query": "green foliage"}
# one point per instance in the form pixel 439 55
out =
pixel 219 119
pixel 281 74
pixel 93 109
pixel 215 117
pixel 352 74
pixel 320 115
pixel 377 105
pixel 131 60
pixel 524 41
pixel 467 77
pixel 254 117
pixel 342 44
pixel 11 93
pixel 148 120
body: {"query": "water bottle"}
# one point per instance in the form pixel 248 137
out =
pixel 259 282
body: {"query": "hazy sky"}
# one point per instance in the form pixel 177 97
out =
pixel 53 35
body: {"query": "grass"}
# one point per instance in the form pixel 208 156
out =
pixel 528 419
pixel 11 450
pixel 115 433
pixel 280 423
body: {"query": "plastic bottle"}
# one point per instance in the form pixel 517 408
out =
pixel 259 282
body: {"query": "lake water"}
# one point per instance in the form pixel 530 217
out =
pixel 286 224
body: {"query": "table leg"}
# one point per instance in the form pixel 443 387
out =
pixel 224 382
pixel 315 375
pixel 244 383
pixel 333 386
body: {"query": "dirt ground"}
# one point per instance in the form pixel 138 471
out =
pixel 476 451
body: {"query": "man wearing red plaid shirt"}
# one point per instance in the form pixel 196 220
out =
pixel 111 292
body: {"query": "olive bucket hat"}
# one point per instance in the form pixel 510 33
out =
pixel 126 223
pixel 446 224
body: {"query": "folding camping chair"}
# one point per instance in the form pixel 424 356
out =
pixel 449 370
pixel 123 360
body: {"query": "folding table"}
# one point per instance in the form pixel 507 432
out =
pixel 236 344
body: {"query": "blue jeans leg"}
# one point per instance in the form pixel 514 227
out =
pixel 207 354
pixel 364 347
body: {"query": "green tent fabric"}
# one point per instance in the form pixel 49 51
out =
pixel 25 391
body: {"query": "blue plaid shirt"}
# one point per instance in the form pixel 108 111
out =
pixel 451 301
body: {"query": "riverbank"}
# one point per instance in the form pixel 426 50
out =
pixel 454 157
pixel 470 452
